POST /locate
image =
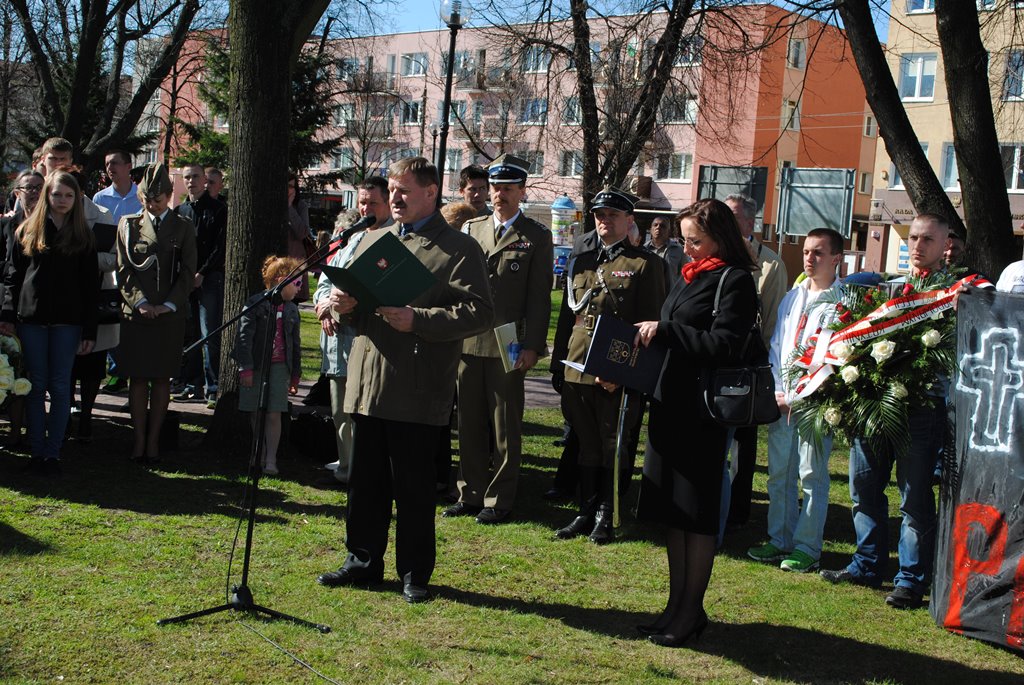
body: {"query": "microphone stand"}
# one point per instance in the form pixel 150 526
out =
pixel 241 598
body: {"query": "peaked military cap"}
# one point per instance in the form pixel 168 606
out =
pixel 156 181
pixel 615 198
pixel 508 169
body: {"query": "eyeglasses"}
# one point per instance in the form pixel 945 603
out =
pixel 297 282
pixel 692 243
pixel 30 189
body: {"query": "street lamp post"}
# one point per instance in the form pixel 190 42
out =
pixel 455 18
pixel 433 144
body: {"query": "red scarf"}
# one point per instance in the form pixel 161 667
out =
pixel 691 270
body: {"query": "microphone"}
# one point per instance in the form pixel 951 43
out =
pixel 358 226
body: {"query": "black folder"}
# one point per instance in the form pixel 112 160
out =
pixel 387 274
pixel 613 357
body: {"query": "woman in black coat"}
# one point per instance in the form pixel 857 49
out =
pixel 682 480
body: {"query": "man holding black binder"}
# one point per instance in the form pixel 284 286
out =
pixel 519 258
pixel 401 381
pixel 605 275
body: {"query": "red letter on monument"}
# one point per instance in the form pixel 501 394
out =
pixel 990 520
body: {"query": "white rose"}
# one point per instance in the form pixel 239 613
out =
pixel 850 373
pixel 882 350
pixel 842 351
pixel 832 416
pixel 899 391
pixel 3 396
pixel 22 387
pixel 6 380
pixel 931 337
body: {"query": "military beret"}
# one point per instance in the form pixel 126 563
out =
pixel 614 198
pixel 508 169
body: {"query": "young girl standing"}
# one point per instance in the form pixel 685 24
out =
pixel 284 372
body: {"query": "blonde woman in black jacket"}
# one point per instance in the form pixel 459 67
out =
pixel 51 299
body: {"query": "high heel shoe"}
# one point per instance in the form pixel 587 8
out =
pixel 649 628
pixel 666 640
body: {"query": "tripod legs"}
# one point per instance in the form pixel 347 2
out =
pixel 241 600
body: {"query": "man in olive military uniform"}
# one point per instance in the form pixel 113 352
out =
pixel 605 275
pixel 519 258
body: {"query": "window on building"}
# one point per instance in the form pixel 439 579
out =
pixel 411 113
pixel 536 59
pixel 1013 164
pixel 478 113
pixel 796 53
pixel 456 112
pixel 920 6
pixel 346 67
pixel 950 174
pixel 572 163
pixel 595 57
pixel 414 64
pixel 463 63
pixel 536 160
pixel 343 158
pixel 535 111
pixel 677 166
pixel 986 4
pixel 864 186
pixel 895 182
pixel 791 115
pixel 348 198
pixel 917 76
pixel 870 126
pixel 344 113
pixel 679 109
pixel 571 114
pixel 1013 83
pixel 406 152
pixel 453 161
pixel 690 50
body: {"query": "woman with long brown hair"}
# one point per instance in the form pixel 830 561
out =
pixel 51 294
pixel 683 468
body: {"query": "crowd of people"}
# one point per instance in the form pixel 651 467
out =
pixel 108 287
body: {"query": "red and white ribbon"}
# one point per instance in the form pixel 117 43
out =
pixel 819 356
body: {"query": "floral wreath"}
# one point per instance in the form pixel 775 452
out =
pixel 884 353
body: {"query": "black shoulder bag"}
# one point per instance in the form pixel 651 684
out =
pixel 741 395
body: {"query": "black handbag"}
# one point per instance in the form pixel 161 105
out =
pixel 109 307
pixel 741 395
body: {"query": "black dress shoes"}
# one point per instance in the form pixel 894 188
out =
pixel 460 509
pixel 416 594
pixel 345 576
pixel 844 576
pixel 490 515
pixel 579 526
pixel 603 531
pixel 556 495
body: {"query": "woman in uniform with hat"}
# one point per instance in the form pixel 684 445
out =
pixel 156 258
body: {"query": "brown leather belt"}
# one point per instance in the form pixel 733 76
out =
pixel 587 321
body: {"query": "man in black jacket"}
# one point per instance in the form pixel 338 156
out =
pixel 210 217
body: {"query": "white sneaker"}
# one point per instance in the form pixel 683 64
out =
pixel 333 466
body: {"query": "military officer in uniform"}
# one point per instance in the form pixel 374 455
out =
pixel 605 275
pixel 519 259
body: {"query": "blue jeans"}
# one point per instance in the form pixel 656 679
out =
pixel 49 355
pixel 791 459
pixel 211 310
pixel 869 475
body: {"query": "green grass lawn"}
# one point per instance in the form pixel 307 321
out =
pixel 89 562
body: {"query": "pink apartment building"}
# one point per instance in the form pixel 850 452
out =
pixel 796 101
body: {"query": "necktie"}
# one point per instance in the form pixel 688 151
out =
pixel 500 231
pixel 156 223
pixel 405 230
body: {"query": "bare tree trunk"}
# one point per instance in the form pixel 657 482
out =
pixel 924 188
pixel 265 39
pixel 982 184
